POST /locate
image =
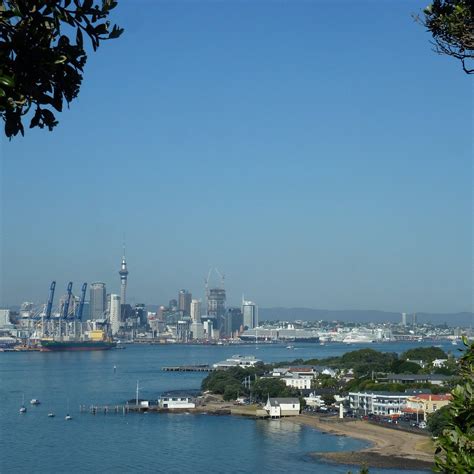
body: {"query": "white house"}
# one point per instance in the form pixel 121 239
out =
pixel 176 401
pixel 439 362
pixel 313 400
pixel 378 403
pixel 278 407
pixel 298 382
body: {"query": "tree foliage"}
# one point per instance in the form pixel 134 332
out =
pixel 451 24
pixel 426 354
pixel 455 445
pixel 439 420
pixel 42 56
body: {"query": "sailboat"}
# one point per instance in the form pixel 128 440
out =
pixel 23 408
pixel 68 416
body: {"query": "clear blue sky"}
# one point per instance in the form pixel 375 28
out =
pixel 317 152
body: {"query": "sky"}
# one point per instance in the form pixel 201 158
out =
pixel 318 153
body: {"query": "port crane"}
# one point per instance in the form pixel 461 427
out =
pixel 49 306
pixel 68 300
pixel 80 307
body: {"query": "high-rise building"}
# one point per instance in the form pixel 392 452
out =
pixel 123 272
pixel 232 321
pixel 197 330
pixel 141 315
pixel 414 319
pixel 216 302
pixel 249 314
pixel 404 319
pixel 196 311
pixel 114 313
pixel 173 305
pixel 97 302
pixel 184 302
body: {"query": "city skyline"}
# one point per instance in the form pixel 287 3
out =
pixel 253 149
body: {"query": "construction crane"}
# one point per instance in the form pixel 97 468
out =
pixel 81 302
pixel 68 300
pixel 49 306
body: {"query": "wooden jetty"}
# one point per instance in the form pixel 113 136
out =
pixel 189 368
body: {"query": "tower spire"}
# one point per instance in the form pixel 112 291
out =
pixel 123 272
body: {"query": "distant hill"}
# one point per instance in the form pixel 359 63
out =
pixel 362 316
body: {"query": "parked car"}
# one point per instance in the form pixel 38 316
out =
pixel 422 425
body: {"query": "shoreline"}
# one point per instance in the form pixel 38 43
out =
pixel 388 448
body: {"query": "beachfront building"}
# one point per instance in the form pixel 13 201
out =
pixel 378 403
pixel 278 407
pixel 426 403
pixel 176 400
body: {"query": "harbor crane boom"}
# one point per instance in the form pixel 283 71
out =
pixel 80 308
pixel 50 300
pixel 68 300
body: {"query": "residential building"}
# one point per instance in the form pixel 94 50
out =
pixel 434 379
pixel 426 403
pixel 97 301
pixel 298 382
pixel 278 407
pixel 378 403
pixel 439 362
pixel 115 313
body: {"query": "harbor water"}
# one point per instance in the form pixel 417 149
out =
pixel 32 442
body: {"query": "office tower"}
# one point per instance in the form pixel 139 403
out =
pixel 216 302
pixel 184 302
pixel 114 313
pixel 182 331
pixel 404 319
pixel 414 319
pixel 232 321
pixel 196 311
pixel 141 315
pixel 123 272
pixel 97 303
pixel 249 314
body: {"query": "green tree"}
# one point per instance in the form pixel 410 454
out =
pixel 450 22
pixel 426 354
pixel 455 445
pixel 272 387
pixel 42 56
pixel 438 421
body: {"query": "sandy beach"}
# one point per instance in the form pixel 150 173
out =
pixel 389 448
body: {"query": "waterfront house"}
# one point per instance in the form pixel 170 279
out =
pixel 278 407
pixel 426 403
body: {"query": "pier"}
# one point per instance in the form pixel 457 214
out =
pixel 189 368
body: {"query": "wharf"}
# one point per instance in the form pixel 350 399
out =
pixel 189 368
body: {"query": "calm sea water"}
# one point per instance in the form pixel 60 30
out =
pixel 148 443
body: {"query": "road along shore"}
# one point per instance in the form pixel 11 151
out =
pixel 389 448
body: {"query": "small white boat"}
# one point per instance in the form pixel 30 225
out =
pixel 51 415
pixel 23 408
pixel 290 347
pixel 68 417
pixel 454 343
pixel 34 401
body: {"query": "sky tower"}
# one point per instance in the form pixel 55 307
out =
pixel 123 272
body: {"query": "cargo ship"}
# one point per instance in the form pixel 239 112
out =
pixel 94 341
